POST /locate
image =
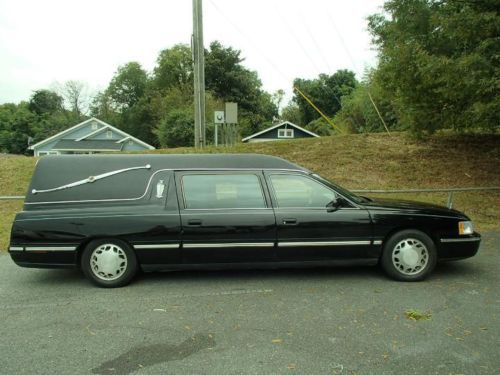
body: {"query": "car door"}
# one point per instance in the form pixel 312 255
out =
pixel 226 217
pixel 307 230
pixel 153 227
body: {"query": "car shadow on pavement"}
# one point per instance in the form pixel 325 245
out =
pixel 48 277
pixel 452 271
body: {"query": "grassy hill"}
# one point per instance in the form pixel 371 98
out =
pixel 358 161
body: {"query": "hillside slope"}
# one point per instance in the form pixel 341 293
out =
pixel 360 161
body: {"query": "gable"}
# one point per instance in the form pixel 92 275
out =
pixel 274 132
pixel 93 129
pixel 106 134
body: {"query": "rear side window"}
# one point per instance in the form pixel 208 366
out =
pixel 206 191
pixel 300 191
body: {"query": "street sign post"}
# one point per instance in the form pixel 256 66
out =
pixel 218 120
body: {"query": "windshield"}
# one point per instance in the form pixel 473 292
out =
pixel 346 193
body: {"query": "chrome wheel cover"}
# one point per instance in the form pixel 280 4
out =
pixel 410 256
pixel 108 262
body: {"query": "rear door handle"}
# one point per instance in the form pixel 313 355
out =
pixel 290 221
pixel 194 222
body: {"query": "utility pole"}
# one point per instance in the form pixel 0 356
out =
pixel 199 75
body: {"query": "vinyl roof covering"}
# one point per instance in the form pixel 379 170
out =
pixel 136 172
pixel 89 145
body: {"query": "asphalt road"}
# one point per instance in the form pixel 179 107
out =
pixel 328 321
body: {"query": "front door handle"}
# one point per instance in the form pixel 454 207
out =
pixel 194 222
pixel 290 221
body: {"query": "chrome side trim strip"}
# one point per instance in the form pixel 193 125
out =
pixel 158 246
pixel 227 209
pixel 235 244
pixel 377 242
pixel 50 248
pixel 323 243
pixel 16 248
pixel 93 217
pixel 474 239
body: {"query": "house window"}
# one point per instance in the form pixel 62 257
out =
pixel 94 126
pixel 109 134
pixel 285 133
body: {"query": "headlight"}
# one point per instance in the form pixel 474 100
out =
pixel 465 227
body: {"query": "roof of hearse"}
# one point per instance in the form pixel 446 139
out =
pixel 59 178
pixel 173 161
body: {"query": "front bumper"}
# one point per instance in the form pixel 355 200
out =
pixel 458 247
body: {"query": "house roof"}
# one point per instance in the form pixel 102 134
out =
pixel 82 124
pixel 87 145
pixel 277 126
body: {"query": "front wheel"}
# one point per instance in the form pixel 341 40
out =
pixel 409 255
pixel 109 263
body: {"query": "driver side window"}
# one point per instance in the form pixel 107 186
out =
pixel 300 191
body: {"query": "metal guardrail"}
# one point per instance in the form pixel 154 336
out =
pixel 450 192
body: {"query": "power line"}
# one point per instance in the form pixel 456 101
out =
pixel 344 45
pixel 254 45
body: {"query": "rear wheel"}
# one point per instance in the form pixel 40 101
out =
pixel 109 263
pixel 409 255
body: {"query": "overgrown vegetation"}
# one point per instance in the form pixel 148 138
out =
pixel 439 68
pixel 359 161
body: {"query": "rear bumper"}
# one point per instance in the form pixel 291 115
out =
pixel 459 247
pixel 55 257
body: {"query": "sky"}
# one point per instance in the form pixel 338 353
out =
pixel 43 43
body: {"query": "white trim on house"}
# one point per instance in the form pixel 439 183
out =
pixel 86 149
pixel 46 153
pixel 277 126
pixel 32 147
pixel 91 134
pixel 123 140
pixel 81 124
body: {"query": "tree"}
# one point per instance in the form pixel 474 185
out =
pixel 439 63
pixel 277 98
pixel 177 129
pixel 320 127
pixel 292 113
pixel 325 92
pixel 73 92
pixel 358 114
pixel 127 86
pixel 15 127
pixel 45 101
pixel 174 67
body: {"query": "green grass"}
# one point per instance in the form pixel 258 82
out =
pixel 358 161
pixel 417 315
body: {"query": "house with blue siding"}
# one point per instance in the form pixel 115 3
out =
pixel 282 131
pixel 89 137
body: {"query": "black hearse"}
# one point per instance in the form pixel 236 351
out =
pixel 114 214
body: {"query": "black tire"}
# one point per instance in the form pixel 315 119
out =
pixel 117 259
pixel 419 260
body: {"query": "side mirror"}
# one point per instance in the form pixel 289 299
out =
pixel 334 204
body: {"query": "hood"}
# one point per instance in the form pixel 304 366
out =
pixel 413 207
